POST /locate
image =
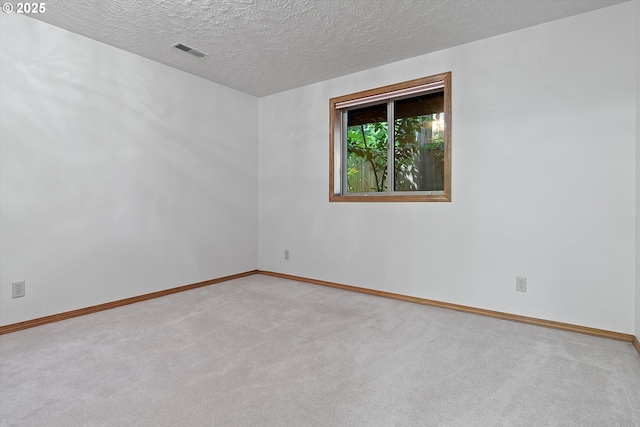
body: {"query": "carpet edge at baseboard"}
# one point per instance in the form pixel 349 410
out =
pixel 14 327
pixel 636 344
pixel 619 336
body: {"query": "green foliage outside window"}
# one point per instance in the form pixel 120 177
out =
pixel 416 148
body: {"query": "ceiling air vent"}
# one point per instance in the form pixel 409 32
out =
pixel 189 49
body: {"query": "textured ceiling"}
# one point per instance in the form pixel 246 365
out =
pixel 263 47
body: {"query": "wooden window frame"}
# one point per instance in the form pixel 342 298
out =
pixel 335 142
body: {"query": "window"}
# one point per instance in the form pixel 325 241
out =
pixel 416 166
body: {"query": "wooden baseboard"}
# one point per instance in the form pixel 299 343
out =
pixel 472 310
pixel 106 306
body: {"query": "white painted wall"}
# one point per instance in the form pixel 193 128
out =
pixel 543 180
pixel 119 176
pixel 637 5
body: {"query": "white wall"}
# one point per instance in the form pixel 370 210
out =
pixel 637 5
pixel 543 180
pixel 119 176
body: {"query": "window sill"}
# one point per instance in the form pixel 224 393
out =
pixel 390 198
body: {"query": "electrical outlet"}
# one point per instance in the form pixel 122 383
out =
pixel 17 289
pixel 521 284
pixel 286 254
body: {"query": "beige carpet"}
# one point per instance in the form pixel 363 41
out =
pixel 262 351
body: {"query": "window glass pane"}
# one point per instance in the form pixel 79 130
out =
pixel 367 150
pixel 419 143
